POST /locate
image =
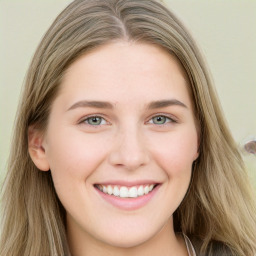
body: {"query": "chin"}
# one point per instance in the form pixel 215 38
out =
pixel 128 239
pixel 127 242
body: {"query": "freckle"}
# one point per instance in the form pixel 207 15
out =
pixel 250 147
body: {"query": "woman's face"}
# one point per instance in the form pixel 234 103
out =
pixel 122 123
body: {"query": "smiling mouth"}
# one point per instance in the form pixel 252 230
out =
pixel 126 192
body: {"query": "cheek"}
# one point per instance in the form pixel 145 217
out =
pixel 73 154
pixel 73 158
pixel 176 153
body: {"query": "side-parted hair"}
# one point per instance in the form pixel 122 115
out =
pixel 219 204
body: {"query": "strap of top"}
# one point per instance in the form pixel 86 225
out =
pixel 215 248
pixel 190 248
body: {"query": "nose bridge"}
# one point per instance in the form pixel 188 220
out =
pixel 129 149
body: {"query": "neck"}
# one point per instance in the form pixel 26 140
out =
pixel 165 242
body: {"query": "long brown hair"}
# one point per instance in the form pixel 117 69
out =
pixel 219 204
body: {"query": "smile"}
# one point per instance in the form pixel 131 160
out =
pixel 127 196
pixel 126 192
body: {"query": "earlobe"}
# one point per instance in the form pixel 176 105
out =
pixel 197 152
pixel 196 156
pixel 198 142
pixel 36 149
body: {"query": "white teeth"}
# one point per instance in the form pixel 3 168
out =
pixel 109 189
pixel 146 190
pixel 140 191
pixel 126 192
pixel 116 191
pixel 133 192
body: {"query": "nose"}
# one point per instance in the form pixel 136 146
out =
pixel 129 150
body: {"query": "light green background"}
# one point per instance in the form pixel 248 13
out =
pixel 224 29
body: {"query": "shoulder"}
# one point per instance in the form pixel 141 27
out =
pixel 215 248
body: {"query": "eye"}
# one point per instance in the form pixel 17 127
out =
pixel 95 120
pixel 160 120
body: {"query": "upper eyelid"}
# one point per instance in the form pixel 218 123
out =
pixel 169 116
pixel 83 122
pixel 90 116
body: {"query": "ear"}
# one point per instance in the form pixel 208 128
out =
pixel 36 149
pixel 197 153
pixel 198 129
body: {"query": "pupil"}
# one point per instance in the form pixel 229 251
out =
pixel 94 120
pixel 159 119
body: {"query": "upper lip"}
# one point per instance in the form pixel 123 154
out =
pixel 127 183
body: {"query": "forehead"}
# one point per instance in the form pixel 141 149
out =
pixel 125 68
pixel 121 55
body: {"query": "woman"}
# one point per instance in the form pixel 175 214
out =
pixel 120 146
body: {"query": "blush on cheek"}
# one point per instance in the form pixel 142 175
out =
pixel 175 159
pixel 75 152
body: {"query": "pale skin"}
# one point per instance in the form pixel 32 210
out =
pixel 144 130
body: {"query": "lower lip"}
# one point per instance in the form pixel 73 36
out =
pixel 128 203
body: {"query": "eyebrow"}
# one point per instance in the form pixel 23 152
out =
pixel 91 104
pixel 166 103
pixel 108 105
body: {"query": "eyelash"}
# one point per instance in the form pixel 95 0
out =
pixel 167 117
pixel 168 120
pixel 85 121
